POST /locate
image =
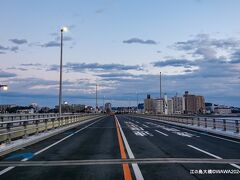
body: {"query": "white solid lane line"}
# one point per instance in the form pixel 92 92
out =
pixel 145 125
pixel 161 132
pixel 137 172
pixel 210 154
pixel 44 149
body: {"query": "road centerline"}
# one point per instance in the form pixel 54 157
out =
pixel 126 169
pixel 137 172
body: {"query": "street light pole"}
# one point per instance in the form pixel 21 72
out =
pixel 64 29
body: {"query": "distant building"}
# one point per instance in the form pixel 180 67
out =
pixel 200 105
pixel 140 108
pixel 170 106
pixel 108 107
pixel 71 108
pixel 178 105
pixel 190 103
pixel 158 106
pixel 26 111
pixel 222 110
pixel 194 104
pixel 148 104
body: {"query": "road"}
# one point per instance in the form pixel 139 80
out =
pixel 116 139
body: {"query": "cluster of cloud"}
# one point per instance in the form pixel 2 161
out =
pixel 204 73
pixel 140 41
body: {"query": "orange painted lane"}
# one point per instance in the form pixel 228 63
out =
pixel 126 169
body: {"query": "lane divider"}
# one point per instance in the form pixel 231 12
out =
pixel 126 169
pixel 161 133
pixel 136 170
pixel 210 154
pixel 46 148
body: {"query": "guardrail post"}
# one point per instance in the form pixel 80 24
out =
pixel 198 121
pixel 224 124
pixel 2 121
pixel 205 122
pixel 237 126
pixel 214 123
pixel 59 122
pixel 9 137
pixel 192 121
pixel 37 128
pixel 46 126
pixel 52 123
pixel 25 129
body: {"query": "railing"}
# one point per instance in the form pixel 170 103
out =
pixel 15 129
pixel 215 123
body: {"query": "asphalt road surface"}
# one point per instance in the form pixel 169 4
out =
pixel 97 150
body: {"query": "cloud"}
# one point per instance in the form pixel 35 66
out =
pixel 65 38
pixel 31 64
pixel 174 63
pixel 139 41
pixel 79 66
pixel 56 42
pixel 3 48
pixel 110 75
pixel 99 11
pixel 204 41
pixel 51 44
pixel 14 49
pixel 4 74
pixel 18 41
pixel 207 53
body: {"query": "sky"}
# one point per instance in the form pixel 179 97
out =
pixel 121 46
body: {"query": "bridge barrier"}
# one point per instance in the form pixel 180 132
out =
pixel 23 126
pixel 227 125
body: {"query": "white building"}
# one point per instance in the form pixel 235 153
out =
pixel 222 110
pixel 170 106
pixel 178 105
pixel 158 106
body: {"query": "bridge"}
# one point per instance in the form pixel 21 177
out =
pixel 131 146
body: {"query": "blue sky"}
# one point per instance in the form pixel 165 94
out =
pixel 123 45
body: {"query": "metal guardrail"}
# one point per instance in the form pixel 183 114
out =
pixel 8 117
pixel 15 129
pixel 224 124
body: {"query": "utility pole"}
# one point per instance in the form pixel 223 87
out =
pixel 96 99
pixel 160 85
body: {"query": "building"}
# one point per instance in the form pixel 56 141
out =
pixel 158 106
pixel 170 106
pixel 222 110
pixel 140 108
pixel 194 104
pixel 148 104
pixel 190 103
pixel 200 105
pixel 108 107
pixel 178 105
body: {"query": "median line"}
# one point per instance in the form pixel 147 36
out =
pixel 136 170
pixel 126 169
